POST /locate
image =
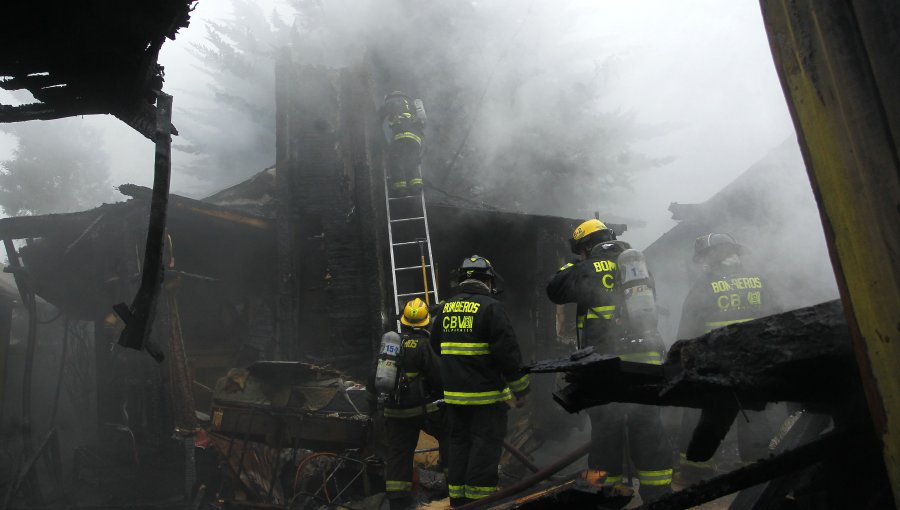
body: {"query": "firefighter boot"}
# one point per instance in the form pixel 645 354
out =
pixel 399 188
pixel 651 493
pixel 402 503
pixel 415 185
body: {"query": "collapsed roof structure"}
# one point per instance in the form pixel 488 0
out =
pixel 83 58
pixel 93 57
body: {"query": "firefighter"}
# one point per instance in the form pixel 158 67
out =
pixel 481 369
pixel 412 406
pixel 407 132
pixel 592 282
pixel 725 293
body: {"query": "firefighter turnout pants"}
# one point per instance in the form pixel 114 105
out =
pixel 403 161
pixel 753 436
pixel 402 436
pixel 476 442
pixel 646 439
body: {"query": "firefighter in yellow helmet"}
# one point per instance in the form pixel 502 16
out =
pixel 593 282
pixel 406 123
pixel 482 370
pixel 412 405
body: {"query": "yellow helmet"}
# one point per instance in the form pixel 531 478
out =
pixel 590 231
pixel 415 314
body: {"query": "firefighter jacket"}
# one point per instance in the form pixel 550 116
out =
pixel 419 378
pixel 480 358
pixel 591 284
pixel 722 296
pixel 402 120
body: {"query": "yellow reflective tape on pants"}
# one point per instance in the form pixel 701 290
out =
pixel 415 181
pixel 408 135
pixel 613 479
pixel 412 375
pixel 397 486
pixel 519 384
pixel 656 478
pixel 399 184
pixel 475 492
pixel 465 348
pixel 721 324
pixel 462 398
pixel 457 491
pixel 651 357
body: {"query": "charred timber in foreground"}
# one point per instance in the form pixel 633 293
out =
pixel 802 356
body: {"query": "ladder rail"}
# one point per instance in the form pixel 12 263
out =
pixel 428 242
pixel 387 202
pixel 393 246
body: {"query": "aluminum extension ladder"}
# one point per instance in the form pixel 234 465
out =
pixel 412 264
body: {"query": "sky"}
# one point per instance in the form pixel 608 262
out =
pixel 701 67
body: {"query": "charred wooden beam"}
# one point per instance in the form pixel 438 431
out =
pixel 203 208
pixel 754 474
pixel 138 317
pixel 41 111
pixel 803 356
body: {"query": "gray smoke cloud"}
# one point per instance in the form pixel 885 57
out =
pixel 616 107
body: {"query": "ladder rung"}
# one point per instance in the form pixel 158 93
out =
pixel 413 294
pixel 408 219
pixel 407 243
pixel 411 267
pixel 404 198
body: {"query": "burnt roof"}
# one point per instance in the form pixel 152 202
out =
pixel 87 57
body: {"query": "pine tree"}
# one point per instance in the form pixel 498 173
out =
pixel 57 166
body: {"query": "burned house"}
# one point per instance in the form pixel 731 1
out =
pixel 290 264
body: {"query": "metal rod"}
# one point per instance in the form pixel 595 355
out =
pixel 23 283
pixel 532 480
pixel 521 457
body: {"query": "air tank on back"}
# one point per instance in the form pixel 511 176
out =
pixel 388 358
pixel 637 288
pixel 420 111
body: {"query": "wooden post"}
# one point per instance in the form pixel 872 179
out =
pixel 286 310
pixel 6 308
pixel 837 62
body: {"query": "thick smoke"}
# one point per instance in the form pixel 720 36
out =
pixel 769 210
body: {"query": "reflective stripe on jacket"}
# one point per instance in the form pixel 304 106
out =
pixel 591 284
pixel 725 296
pixel 480 358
